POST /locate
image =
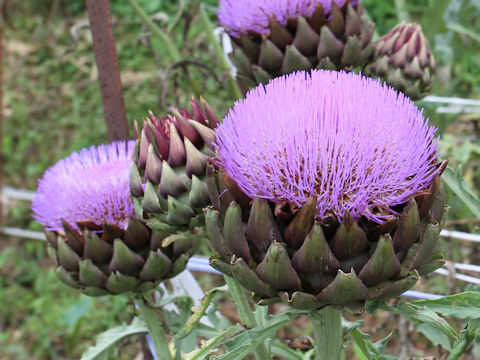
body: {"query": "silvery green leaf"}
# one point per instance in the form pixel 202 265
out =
pixel 435 336
pixel 212 344
pixel 420 315
pixel 464 305
pixel 108 338
pixel 456 183
pixel 466 337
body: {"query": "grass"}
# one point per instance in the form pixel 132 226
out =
pixel 52 106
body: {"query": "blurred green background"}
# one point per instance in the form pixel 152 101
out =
pixel 52 106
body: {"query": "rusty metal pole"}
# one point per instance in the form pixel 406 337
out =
pixel 2 23
pixel 108 69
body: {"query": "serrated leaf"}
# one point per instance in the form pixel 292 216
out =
pixel 464 305
pixel 212 344
pixel 420 314
pixel 466 337
pixel 108 338
pixel 456 183
pixel 434 336
pixel 368 349
pixel 246 342
pixel 348 326
pixel 198 312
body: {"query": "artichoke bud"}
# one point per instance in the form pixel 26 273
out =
pixel 309 263
pixel 95 240
pixel 167 176
pixel 403 59
pixel 115 260
pixel 335 39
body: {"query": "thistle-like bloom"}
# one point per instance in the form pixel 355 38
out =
pixel 89 185
pixel 94 237
pixel 326 192
pixel 356 145
pixel 277 37
pixel 243 16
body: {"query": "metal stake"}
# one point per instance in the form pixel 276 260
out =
pixel 108 69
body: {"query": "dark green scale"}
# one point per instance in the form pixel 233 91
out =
pixel 341 41
pixel 307 263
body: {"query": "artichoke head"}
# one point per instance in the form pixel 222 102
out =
pixel 403 59
pixel 283 253
pixel 167 176
pixel 106 259
pixel 335 41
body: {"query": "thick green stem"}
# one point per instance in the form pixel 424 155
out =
pixel 155 329
pixel 245 312
pixel 217 49
pixel 327 332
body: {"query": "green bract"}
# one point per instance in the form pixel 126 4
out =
pixel 341 40
pixel 282 253
pixel 168 171
pixel 404 60
pixel 106 259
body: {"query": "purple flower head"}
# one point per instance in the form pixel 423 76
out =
pixel 241 16
pixel 357 145
pixel 91 185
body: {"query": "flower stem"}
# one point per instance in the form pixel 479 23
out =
pixel 217 49
pixel 327 331
pixel 155 329
pixel 245 312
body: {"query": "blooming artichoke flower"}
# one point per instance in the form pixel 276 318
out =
pixel 326 191
pixel 168 170
pixel 403 59
pixel 97 243
pixel 277 37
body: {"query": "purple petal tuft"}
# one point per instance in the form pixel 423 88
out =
pixel 357 145
pixel 241 16
pixel 91 184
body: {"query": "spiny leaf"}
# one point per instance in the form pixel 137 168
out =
pixel 246 342
pixel 436 337
pixel 464 305
pixel 455 181
pixel 212 344
pixel 108 338
pixel 420 314
pixel 198 312
pixel 369 350
pixel 466 337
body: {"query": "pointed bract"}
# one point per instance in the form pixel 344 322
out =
pixel 272 39
pixel 261 228
pixel 410 60
pixel 297 162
